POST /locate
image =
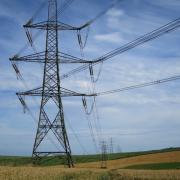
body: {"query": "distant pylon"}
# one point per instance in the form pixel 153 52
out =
pixel 103 155
pixel 111 146
pixel 119 150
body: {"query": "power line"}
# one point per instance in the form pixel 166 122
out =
pixel 81 44
pixel 37 34
pixel 31 113
pixel 64 6
pixel 76 136
pixel 103 12
pixel 92 133
pixel 93 109
pixel 139 41
pixel 39 10
pixel 95 112
pixel 160 81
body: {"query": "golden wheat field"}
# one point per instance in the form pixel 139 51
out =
pixel 92 171
pixel 55 173
pixel 143 159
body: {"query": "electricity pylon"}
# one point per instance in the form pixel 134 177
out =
pixel 51 84
pixel 111 148
pixel 103 155
pixel 51 89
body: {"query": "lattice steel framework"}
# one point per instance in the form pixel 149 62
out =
pixel 51 83
pixel 51 90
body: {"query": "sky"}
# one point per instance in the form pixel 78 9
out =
pixel 136 120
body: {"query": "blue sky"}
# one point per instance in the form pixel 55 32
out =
pixel 140 119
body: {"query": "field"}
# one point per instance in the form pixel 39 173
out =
pixel 24 161
pixel 55 173
pixel 164 164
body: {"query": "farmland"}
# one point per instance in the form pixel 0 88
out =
pixel 162 164
pixel 21 161
pixel 55 173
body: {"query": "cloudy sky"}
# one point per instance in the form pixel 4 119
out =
pixel 141 119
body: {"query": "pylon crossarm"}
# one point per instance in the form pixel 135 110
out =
pixel 51 93
pixel 52 25
pixel 40 58
pixel 33 92
pixel 67 58
pixel 37 57
pixel 48 153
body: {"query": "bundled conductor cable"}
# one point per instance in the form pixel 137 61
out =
pixel 22 101
pixel 91 72
pixel 171 26
pixel 137 86
pixel 86 107
pixel 82 44
pixel 18 74
pixel 29 36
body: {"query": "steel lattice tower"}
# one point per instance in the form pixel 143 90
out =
pixel 51 90
pixel 51 84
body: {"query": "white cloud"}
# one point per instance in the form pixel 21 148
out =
pixel 111 37
pixel 134 24
pixel 83 84
pixel 115 12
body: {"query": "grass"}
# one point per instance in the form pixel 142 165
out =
pixel 57 173
pixel 14 161
pixel 48 173
pixel 143 167
pixel 156 166
pixel 21 161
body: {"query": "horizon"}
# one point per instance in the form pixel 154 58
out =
pixel 149 151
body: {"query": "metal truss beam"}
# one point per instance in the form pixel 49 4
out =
pixel 51 25
pixel 40 58
pixel 50 93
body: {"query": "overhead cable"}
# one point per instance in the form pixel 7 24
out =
pixel 37 34
pixel 139 41
pixel 160 81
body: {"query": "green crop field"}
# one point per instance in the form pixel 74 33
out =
pixel 158 164
pixel 21 161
